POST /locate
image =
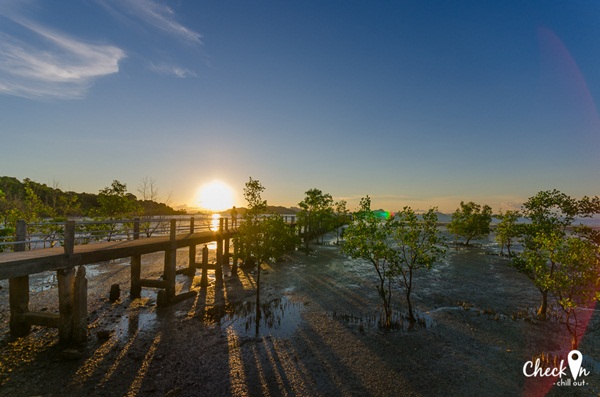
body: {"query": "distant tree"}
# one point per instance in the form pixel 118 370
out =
pixel 263 236
pixel 368 238
pixel 69 205
pixel 56 204
pixel 471 221
pixel 508 231
pixel 316 213
pixel 7 230
pixel 547 248
pixel 115 202
pixel 148 189
pixel 342 216
pixel 6 205
pixel 419 246
pixel 34 209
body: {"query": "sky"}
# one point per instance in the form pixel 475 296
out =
pixel 418 103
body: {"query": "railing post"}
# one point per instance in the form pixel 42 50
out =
pixel 69 243
pixel 135 290
pixel 21 235
pixel 192 252
pixel 173 229
pixel 18 290
pixel 136 228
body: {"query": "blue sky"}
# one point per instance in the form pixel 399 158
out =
pixel 414 103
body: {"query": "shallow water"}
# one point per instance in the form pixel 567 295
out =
pixel 279 317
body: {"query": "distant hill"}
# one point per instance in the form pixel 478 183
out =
pixel 68 203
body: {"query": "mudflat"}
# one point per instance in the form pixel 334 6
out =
pixel 318 335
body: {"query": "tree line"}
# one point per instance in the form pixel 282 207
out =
pixel 33 201
pixel 558 255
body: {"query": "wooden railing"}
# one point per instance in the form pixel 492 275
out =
pixel 40 235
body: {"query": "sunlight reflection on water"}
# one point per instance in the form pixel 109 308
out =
pixel 279 317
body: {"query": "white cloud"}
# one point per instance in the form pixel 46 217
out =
pixel 58 67
pixel 154 14
pixel 47 63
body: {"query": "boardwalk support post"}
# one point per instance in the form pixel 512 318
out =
pixel 166 295
pixel 80 307
pixel 226 245
pixel 18 288
pixel 219 269
pixel 66 291
pixel 204 278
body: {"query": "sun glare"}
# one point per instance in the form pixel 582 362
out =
pixel 215 196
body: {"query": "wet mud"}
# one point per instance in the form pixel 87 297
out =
pixel 318 334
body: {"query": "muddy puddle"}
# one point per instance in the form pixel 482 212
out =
pixel 375 322
pixel 278 317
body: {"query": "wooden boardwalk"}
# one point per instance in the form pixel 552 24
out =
pixel 68 261
pixel 23 263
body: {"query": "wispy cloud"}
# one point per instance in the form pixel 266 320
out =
pixel 43 62
pixel 154 14
pixel 58 66
pixel 170 69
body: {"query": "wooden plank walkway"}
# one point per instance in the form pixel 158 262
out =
pixel 16 264
pixel 71 320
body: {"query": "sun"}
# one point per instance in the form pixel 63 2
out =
pixel 215 196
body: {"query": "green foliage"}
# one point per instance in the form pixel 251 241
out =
pixel 32 200
pixel 342 217
pixel 262 236
pixel 367 238
pixel 573 279
pixel 419 246
pixel 5 206
pixel 553 247
pixel 397 247
pixel 6 235
pixel 508 230
pixel 316 213
pixel 116 203
pixel 471 221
